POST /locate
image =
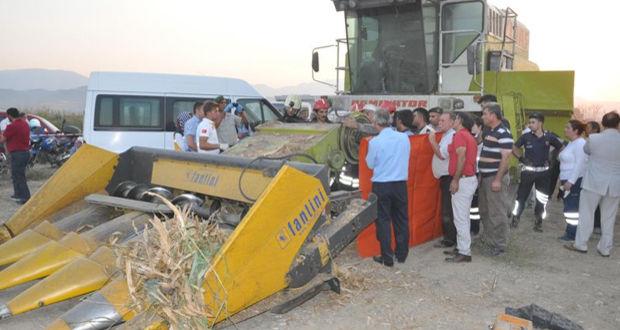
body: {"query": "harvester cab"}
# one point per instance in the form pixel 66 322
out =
pixel 429 53
pixel 284 227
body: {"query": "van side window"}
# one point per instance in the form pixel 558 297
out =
pixel 140 112
pixel 105 111
pixel 129 113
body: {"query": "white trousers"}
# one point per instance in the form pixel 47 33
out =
pixel 461 204
pixel 588 201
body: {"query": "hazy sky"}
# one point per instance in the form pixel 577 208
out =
pixel 267 41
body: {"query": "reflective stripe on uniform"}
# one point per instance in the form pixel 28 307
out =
pixel 572 218
pixel 515 211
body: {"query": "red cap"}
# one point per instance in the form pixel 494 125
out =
pixel 321 104
pixel 389 106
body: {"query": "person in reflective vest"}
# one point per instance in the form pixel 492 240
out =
pixel 572 168
pixel 534 168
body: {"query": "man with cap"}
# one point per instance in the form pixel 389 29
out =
pixel 421 121
pixel 17 138
pixel 243 124
pixel 493 165
pixel 535 168
pixel 320 108
pixel 292 107
pixel 369 111
pixel 227 127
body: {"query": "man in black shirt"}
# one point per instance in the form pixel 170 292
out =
pixel 534 168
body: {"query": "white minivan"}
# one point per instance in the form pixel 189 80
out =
pixel 139 109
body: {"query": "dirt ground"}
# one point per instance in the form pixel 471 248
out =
pixel 426 292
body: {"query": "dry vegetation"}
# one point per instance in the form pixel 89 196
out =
pixel 164 267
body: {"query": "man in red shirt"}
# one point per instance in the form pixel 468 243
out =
pixel 17 138
pixel 462 167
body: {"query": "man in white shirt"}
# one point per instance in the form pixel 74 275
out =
pixel 4 123
pixel 440 171
pixel 421 121
pixel 206 132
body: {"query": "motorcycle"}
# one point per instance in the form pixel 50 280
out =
pixel 4 164
pixel 54 149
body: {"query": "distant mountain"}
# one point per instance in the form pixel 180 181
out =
pixel 69 100
pixel 29 79
pixel 311 88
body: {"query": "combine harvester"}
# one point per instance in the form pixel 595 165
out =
pixel 280 247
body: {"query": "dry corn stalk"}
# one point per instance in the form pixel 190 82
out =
pixel 165 267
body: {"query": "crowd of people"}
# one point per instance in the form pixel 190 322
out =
pixel 471 162
pixel 213 127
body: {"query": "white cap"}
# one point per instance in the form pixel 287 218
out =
pixel 34 122
pixel 370 107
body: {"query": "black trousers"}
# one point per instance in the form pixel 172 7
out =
pixel 447 218
pixel 541 182
pixel 19 160
pixel 392 211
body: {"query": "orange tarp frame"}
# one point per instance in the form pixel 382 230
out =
pixel 423 194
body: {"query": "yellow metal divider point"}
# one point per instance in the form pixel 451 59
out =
pixel 254 261
pixel 86 172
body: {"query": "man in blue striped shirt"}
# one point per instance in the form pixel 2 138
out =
pixel 493 165
pixel 388 157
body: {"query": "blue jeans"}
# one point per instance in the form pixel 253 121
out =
pixel 19 161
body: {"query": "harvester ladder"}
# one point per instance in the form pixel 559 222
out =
pixel 509 37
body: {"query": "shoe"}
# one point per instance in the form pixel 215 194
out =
pixel 571 247
pixel 401 261
pixel 601 254
pixel 538 225
pixel 386 263
pixel 566 238
pixel 21 201
pixel 443 244
pixel 15 198
pixel 451 252
pixel 515 222
pixel 459 258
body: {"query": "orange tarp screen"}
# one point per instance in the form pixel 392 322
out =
pixel 423 194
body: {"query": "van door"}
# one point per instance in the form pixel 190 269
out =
pixel 123 121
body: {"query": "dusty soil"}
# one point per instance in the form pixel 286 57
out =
pixel 427 293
